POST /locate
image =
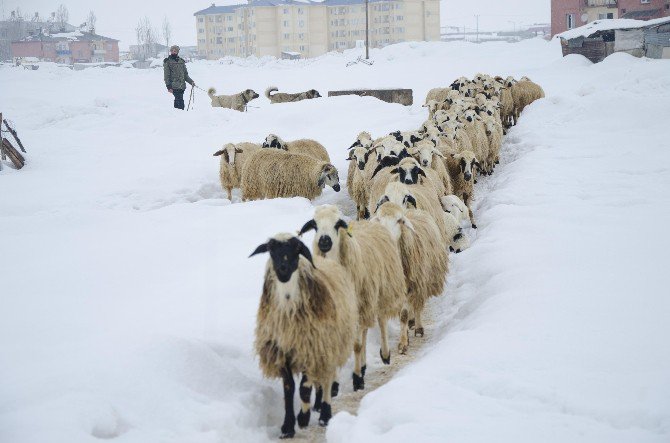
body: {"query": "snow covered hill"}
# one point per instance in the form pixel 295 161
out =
pixel 128 303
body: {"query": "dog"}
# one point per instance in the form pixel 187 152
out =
pixel 284 97
pixel 236 101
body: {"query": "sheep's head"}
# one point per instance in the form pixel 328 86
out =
pixel 490 125
pixel 510 81
pixel 329 176
pixel 398 193
pixel 274 141
pixel 229 150
pixel 408 171
pixel 392 217
pixel 467 162
pixel 386 162
pixel 471 115
pixel 328 225
pixel 285 251
pixel 423 152
pixel 363 140
pixel 359 156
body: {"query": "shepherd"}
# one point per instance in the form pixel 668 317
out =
pixel 176 76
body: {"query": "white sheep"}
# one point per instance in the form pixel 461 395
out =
pixel 233 159
pixel 372 259
pixel 425 261
pixel 304 146
pixel 305 323
pixel 274 173
pixel 462 168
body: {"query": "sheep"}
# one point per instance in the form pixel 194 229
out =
pixel 477 132
pixel 356 179
pixel 525 92
pixel 462 167
pixel 437 94
pixel 372 259
pixel 425 262
pixel 273 173
pixel 305 323
pixel 233 159
pixel 428 156
pixel 303 146
pixel 453 205
pixel 494 134
pixel 407 138
pixel 455 212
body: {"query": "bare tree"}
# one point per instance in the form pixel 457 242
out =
pixel 62 16
pixel 146 38
pixel 90 22
pixel 167 32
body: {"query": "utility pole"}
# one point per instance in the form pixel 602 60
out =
pixel 477 16
pixel 367 31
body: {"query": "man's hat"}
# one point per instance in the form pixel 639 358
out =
pixel 174 48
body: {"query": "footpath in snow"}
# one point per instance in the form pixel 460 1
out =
pixel 128 304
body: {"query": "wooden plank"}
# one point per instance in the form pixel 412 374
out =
pixel 14 155
pixel 13 132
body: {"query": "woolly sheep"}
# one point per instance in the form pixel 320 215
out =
pixel 477 132
pixel 524 93
pixel 273 173
pixel 305 323
pixel 356 178
pixel 372 259
pixel 233 159
pixel 462 166
pixel 303 146
pixel 425 261
pixel 428 156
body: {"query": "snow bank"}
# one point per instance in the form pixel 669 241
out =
pixel 128 303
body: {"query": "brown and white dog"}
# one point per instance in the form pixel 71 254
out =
pixel 236 101
pixel 285 97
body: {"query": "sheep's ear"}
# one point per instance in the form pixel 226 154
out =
pixel 367 155
pixel 406 222
pixel 421 172
pixel 274 143
pixel 351 153
pixel 403 154
pixel 409 199
pixel 265 144
pixel 477 164
pixel 342 224
pixel 395 171
pixel 219 152
pixel 437 152
pixel 260 249
pixel 239 150
pixel 304 251
pixel 310 225
pixel 379 168
pixel 381 201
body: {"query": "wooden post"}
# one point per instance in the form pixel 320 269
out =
pixel 13 132
pixel 2 152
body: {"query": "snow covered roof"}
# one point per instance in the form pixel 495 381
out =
pixel 229 9
pixel 72 36
pixel 610 25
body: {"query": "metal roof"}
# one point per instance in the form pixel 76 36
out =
pixel 71 36
pixel 641 15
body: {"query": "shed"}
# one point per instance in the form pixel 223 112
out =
pixel 601 38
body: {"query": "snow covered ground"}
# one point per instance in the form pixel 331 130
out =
pixel 128 303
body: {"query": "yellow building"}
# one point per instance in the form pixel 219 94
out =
pixel 310 29
pixel 601 9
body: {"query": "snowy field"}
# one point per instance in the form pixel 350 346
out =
pixel 128 303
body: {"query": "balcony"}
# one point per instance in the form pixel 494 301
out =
pixel 600 3
pixel 63 52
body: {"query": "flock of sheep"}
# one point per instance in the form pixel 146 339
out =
pixel 412 190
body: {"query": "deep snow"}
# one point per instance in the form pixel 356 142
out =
pixel 128 302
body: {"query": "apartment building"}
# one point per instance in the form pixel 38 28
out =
pixel 262 27
pixel 568 14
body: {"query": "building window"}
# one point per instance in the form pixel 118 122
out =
pixel 219 19
pixel 285 10
pixel 299 10
pixel 201 31
pixel 286 23
pixel 302 48
pixel 645 1
pixel 570 20
pixel 201 19
pixel 301 23
pixel 286 36
pixel 608 15
pixel 211 19
pixel 219 40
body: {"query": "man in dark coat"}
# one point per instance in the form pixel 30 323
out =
pixel 176 76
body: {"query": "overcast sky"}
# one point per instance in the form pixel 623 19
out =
pixel 118 18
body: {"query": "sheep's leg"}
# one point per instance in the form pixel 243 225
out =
pixel 419 324
pixel 229 191
pixel 326 410
pixel 359 382
pixel 288 428
pixel 384 352
pixel 466 200
pixel 364 351
pixel 403 344
pixel 305 397
pixel 318 398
